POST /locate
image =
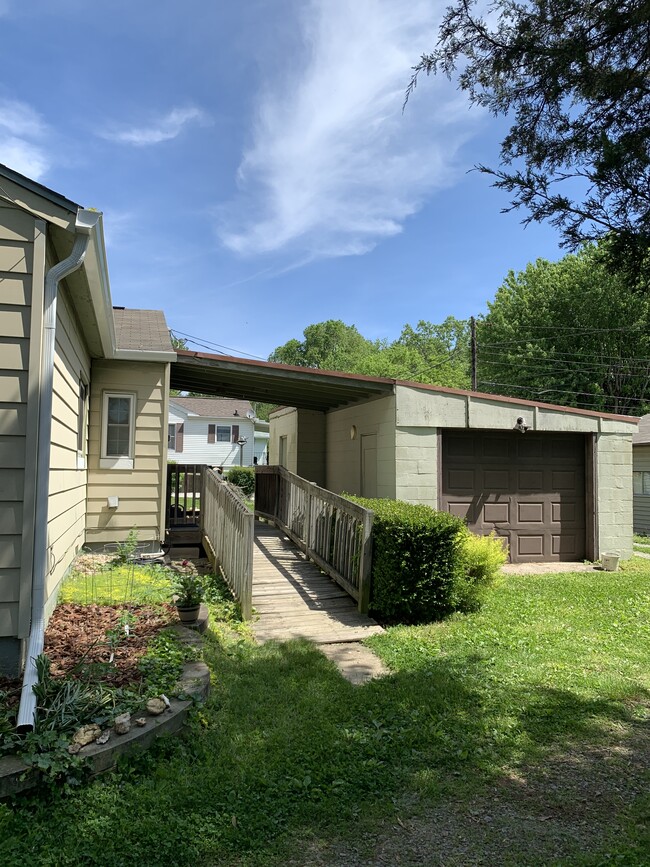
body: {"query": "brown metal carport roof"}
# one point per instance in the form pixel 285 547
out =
pixel 264 381
pixel 308 388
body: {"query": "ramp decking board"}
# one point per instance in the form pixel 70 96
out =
pixel 293 598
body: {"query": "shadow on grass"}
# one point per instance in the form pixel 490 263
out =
pixel 285 745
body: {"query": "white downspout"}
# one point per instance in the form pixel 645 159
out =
pixel 84 225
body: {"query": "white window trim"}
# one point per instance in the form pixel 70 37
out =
pixel 643 477
pixel 83 422
pixel 216 433
pixel 124 462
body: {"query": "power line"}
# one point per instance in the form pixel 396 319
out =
pixel 565 365
pixel 564 391
pixel 561 354
pixel 206 344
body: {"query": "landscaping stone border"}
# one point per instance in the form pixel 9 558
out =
pixel 16 776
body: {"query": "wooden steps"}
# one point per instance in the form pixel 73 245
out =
pixel 293 598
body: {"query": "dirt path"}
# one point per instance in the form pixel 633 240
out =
pixel 536 816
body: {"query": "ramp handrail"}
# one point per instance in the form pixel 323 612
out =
pixel 333 532
pixel 227 527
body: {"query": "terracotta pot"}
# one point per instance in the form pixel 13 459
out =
pixel 188 614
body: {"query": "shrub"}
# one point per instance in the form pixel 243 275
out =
pixel 482 556
pixel 244 478
pixel 417 564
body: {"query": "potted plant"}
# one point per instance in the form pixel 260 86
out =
pixel 189 593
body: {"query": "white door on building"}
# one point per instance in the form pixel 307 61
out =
pixel 369 465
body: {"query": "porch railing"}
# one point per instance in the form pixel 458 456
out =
pixel 332 531
pixel 227 528
pixel 183 495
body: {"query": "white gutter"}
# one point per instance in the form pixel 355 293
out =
pixel 85 227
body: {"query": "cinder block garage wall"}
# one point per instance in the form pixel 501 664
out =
pixel 344 452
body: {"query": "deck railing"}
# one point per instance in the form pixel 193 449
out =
pixel 332 531
pixel 183 494
pixel 227 527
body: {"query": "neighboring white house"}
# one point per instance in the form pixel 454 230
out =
pixel 220 432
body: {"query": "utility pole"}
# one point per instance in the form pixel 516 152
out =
pixel 472 331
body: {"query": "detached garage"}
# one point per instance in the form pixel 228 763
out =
pixel 555 483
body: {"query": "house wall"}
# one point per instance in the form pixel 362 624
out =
pixel 22 269
pixel 262 447
pixel 68 474
pixel 197 449
pixel 343 466
pixel 284 422
pixel 641 503
pixel 141 491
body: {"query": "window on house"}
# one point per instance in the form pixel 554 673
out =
pixel 223 433
pixel 118 423
pixel 82 419
pixel 642 483
pixel 171 437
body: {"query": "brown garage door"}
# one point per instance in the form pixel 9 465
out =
pixel 529 488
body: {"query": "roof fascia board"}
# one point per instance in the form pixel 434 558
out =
pixel 143 355
pixel 96 268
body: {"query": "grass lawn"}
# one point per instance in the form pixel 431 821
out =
pixel 496 730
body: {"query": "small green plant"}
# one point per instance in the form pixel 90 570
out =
pixel 483 557
pixel 162 664
pixel 243 478
pixel 125 550
pixel 189 590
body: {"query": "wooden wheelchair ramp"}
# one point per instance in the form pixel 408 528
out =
pixel 295 599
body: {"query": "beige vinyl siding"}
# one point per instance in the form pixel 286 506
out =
pixel 641 502
pixel 68 476
pixel 22 246
pixel 284 423
pixel 140 490
pixel 344 453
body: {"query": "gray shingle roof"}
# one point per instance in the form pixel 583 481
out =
pixel 642 435
pixel 214 407
pixel 141 329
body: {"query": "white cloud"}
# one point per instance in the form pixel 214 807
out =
pixel 334 165
pixel 162 129
pixel 22 131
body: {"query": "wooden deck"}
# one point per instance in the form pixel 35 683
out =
pixel 295 599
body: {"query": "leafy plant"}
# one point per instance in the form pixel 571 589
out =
pixel 417 561
pixel 243 478
pixel 125 550
pixel 189 590
pixel 483 557
pixel 162 664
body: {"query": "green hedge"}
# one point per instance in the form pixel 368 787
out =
pixel 417 562
pixel 426 564
pixel 244 478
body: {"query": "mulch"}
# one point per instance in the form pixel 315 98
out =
pixel 76 639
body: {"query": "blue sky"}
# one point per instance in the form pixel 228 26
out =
pixel 253 163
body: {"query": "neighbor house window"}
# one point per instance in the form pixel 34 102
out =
pixel 118 423
pixel 642 484
pixel 171 437
pixel 223 433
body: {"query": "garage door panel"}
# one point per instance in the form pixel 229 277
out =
pixel 565 512
pixel 461 510
pixel 529 448
pixel 530 480
pixel 536 497
pixel 530 513
pixel 564 480
pixel 496 480
pixel 530 545
pixel 496 513
pixel 461 480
